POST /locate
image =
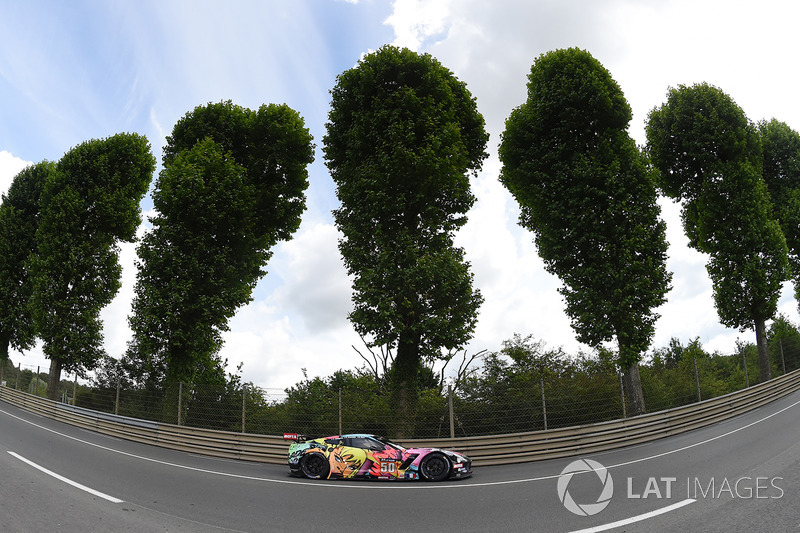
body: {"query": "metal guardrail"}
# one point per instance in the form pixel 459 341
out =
pixel 484 451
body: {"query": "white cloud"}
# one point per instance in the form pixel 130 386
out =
pixel 415 21
pixel 302 322
pixel 315 284
pixel 10 166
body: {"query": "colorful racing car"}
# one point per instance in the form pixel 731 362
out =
pixel 369 456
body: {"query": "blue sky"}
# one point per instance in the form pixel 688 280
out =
pixel 72 71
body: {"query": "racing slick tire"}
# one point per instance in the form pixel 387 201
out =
pixel 315 466
pixel 435 467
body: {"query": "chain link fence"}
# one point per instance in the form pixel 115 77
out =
pixel 547 398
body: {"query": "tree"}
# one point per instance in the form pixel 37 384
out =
pixel 710 158
pixel 781 172
pixel 232 185
pixel 587 194
pixel 88 205
pixel 402 137
pixel 784 339
pixel 19 220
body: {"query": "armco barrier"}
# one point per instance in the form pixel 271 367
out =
pixel 487 450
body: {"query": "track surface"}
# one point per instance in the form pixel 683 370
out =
pixel 740 475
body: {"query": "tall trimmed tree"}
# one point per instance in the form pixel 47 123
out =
pixel 19 220
pixel 588 195
pixel 710 158
pixel 781 172
pixel 402 138
pixel 232 186
pixel 88 205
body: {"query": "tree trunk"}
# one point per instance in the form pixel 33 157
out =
pixel 764 365
pixel 404 387
pixel 4 342
pixel 633 390
pixel 54 379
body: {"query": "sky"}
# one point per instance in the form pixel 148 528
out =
pixel 74 71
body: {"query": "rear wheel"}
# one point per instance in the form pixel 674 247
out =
pixel 435 467
pixel 315 466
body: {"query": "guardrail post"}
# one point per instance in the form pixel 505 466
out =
pixel 544 404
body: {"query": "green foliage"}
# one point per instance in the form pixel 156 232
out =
pixel 781 172
pixel 784 344
pixel 402 137
pixel 504 395
pixel 198 264
pixel 586 192
pixel 274 147
pixel 88 204
pixel 19 220
pixel 232 185
pixel 695 131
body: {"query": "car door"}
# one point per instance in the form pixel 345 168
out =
pixel 385 459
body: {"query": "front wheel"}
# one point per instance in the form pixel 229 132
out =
pixel 435 467
pixel 315 466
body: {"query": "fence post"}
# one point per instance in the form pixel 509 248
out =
pixel 116 402
pixel 38 370
pixel 450 408
pixel 340 410
pixel 19 371
pixel 75 390
pixel 783 361
pixel 544 404
pixel 180 400
pixel 746 376
pixel 622 395
pixel 244 404
pixel 697 378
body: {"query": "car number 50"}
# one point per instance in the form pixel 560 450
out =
pixel 387 467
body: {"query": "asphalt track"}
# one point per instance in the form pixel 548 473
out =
pixel 740 475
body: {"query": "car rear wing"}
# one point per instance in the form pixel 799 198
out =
pixel 295 437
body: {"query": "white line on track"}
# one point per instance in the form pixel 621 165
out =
pixel 66 480
pixel 389 484
pixel 638 518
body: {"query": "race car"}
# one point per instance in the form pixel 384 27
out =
pixel 372 457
